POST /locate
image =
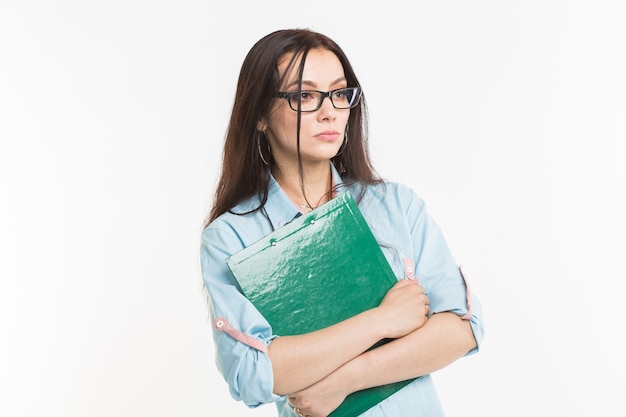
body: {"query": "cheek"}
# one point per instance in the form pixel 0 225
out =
pixel 283 121
pixel 343 122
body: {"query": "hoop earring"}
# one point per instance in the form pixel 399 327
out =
pixel 269 150
pixel 346 138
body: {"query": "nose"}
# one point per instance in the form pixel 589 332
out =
pixel 327 110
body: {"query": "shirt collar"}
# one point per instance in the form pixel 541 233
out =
pixel 279 209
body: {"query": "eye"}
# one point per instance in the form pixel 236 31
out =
pixel 343 93
pixel 306 95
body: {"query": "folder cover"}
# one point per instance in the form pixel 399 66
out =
pixel 323 267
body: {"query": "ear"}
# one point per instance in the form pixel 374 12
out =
pixel 261 125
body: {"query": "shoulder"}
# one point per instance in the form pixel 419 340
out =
pixel 239 213
pixel 394 196
pixel 237 228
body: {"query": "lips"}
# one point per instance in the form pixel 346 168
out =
pixel 328 135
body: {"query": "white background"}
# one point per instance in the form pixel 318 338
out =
pixel 508 118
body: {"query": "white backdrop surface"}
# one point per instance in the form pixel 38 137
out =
pixel 508 118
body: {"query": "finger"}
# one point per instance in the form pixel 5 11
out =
pixel 404 282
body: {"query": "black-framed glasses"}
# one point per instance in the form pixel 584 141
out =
pixel 311 100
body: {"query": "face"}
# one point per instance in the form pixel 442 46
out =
pixel 321 131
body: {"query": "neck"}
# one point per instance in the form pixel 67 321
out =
pixel 309 191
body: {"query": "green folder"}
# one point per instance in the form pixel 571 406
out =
pixel 323 267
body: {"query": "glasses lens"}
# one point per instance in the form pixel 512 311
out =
pixel 308 100
pixel 345 98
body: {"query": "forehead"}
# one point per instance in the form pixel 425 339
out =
pixel 320 67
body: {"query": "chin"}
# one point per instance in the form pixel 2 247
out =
pixel 328 156
pixel 321 152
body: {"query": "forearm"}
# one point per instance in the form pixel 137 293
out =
pixel 443 339
pixel 300 361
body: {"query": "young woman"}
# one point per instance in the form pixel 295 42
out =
pixel 297 138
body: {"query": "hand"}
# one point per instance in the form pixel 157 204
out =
pixel 318 400
pixel 404 308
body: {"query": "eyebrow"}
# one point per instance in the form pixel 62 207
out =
pixel 312 84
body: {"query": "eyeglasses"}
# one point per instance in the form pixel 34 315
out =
pixel 311 100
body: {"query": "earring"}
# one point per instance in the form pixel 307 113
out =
pixel 345 141
pixel 258 143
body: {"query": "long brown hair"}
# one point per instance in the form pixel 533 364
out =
pixel 245 172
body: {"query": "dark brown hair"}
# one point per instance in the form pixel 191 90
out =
pixel 244 172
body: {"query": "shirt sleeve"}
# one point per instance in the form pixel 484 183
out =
pixel 438 271
pixel 246 369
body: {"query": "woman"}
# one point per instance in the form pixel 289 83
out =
pixel 296 138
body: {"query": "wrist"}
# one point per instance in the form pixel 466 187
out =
pixel 383 327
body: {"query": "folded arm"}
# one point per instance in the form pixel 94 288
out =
pixel 300 361
pixel 443 339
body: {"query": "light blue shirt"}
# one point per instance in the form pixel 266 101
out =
pixel 398 219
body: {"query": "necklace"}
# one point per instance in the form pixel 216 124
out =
pixel 320 201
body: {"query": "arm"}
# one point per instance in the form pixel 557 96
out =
pixel 246 369
pixel 443 339
pixel 300 361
